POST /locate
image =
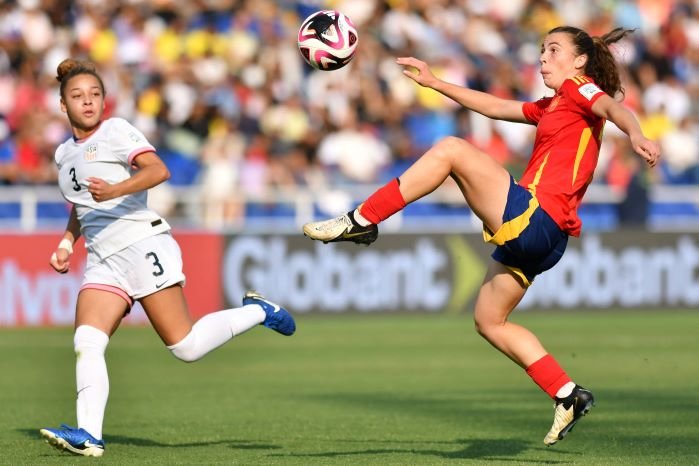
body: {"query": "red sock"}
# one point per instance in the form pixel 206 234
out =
pixel 385 202
pixel 548 375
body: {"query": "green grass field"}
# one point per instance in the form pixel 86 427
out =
pixel 349 390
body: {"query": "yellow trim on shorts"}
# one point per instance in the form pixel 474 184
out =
pixel 518 272
pixel 512 228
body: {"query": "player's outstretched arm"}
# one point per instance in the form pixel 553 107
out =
pixel 608 108
pixel 481 102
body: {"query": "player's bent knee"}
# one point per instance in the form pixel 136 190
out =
pixel 479 327
pixel 486 327
pixel 183 355
pixel 452 142
pixel 452 145
pixel 186 349
pixel 450 149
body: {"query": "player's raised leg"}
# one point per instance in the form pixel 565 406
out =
pixel 169 315
pixel 481 179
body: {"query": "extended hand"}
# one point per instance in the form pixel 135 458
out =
pixel 417 70
pixel 647 149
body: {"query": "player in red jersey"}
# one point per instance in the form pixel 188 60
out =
pixel 529 221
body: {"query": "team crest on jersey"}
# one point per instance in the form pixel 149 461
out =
pixel 91 152
pixel 134 137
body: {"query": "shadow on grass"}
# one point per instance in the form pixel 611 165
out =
pixel 502 450
pixel 144 442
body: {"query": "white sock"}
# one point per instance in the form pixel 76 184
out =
pixel 91 378
pixel 359 218
pixel 215 329
pixel 565 390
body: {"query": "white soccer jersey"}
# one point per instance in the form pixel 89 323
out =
pixel 108 153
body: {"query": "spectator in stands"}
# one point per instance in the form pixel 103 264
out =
pixel 8 166
pixel 240 57
pixel 680 166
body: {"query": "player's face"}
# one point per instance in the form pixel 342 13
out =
pixel 558 60
pixel 83 102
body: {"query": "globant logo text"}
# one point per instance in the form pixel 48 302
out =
pixel 330 279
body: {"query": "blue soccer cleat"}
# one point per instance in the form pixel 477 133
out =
pixel 77 441
pixel 278 318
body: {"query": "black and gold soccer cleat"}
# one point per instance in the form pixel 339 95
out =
pixel 342 228
pixel 568 412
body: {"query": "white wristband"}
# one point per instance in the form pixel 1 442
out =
pixel 66 244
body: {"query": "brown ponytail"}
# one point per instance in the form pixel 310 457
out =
pixel 600 66
pixel 69 68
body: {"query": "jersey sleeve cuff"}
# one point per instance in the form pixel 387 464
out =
pixel 141 150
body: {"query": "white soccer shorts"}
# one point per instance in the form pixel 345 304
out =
pixel 145 267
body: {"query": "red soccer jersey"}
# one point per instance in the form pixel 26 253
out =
pixel 566 149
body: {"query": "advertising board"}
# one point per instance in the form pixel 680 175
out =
pixel 400 273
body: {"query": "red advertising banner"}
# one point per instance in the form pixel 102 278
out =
pixel 33 294
pixel 202 254
pixel 436 273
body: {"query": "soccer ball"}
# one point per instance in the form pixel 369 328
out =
pixel 327 40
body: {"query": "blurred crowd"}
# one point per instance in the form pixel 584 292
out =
pixel 219 87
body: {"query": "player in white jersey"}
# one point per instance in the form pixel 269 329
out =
pixel 105 170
